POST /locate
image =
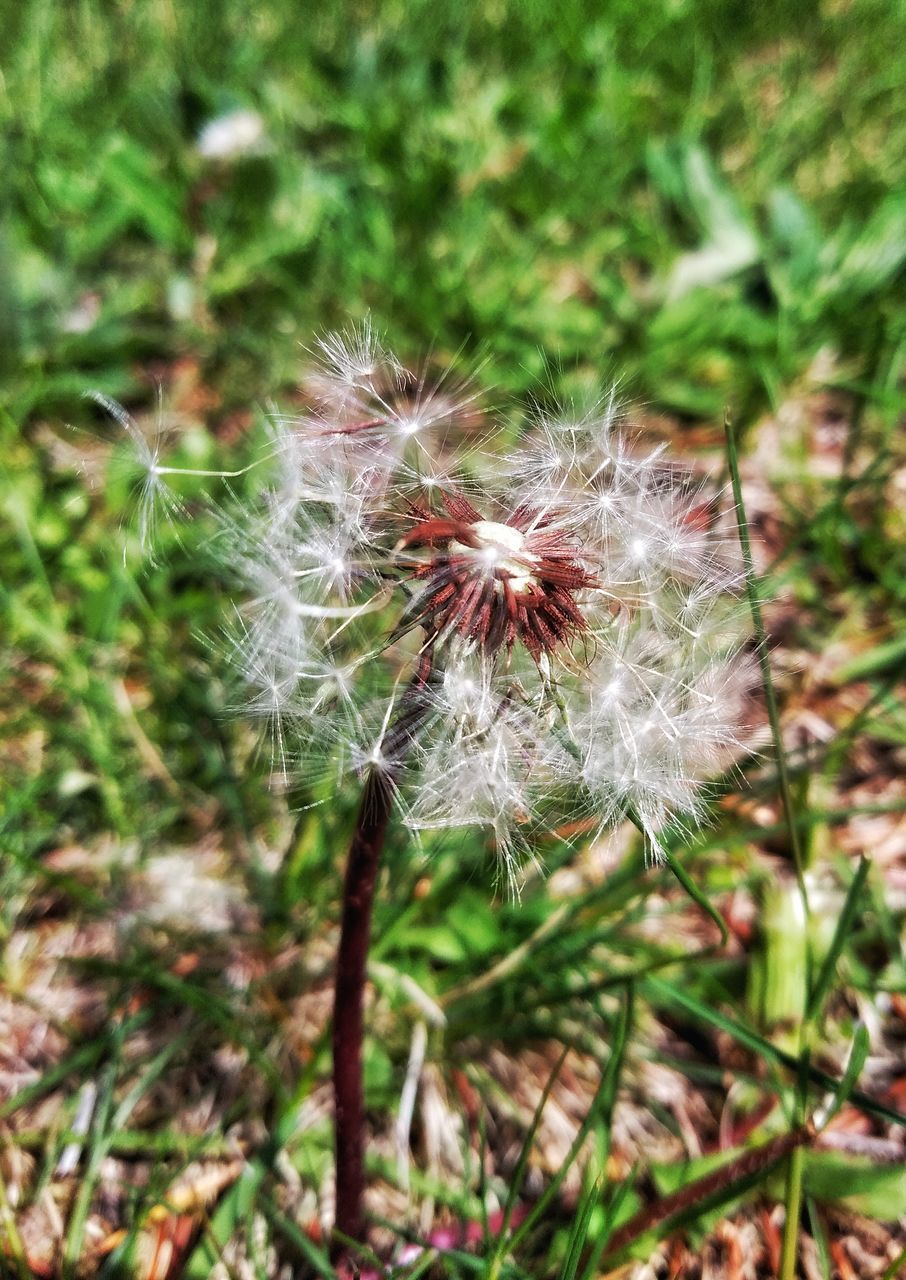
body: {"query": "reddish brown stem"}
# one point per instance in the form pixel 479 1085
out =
pixel 355 933
pixel 742 1167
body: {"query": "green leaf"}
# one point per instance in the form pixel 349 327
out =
pixel 881 660
pixel 877 1190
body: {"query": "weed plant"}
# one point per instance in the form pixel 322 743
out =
pixel 709 203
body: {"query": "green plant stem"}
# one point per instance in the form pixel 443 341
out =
pixel 793 1193
pixel 793 1199
pixel 764 664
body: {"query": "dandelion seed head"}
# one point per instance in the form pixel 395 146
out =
pixel 563 607
pixel 355 357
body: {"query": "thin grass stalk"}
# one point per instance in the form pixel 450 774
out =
pixel 793 1190
pixel 793 1197
pixel 754 601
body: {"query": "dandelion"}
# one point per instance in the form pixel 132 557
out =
pixel 505 639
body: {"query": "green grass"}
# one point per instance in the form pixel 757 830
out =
pixel 703 201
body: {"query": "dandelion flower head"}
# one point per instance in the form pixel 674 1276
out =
pixel 514 635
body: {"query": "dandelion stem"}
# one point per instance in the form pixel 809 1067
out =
pixel 355 932
pixel 362 868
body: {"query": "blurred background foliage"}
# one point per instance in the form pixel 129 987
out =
pixel 699 200
pixel 703 200
pixel 696 195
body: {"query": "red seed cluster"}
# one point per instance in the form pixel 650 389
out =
pixel 496 582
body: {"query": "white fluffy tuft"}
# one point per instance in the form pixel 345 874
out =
pixel 624 714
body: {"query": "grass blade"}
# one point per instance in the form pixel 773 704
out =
pixel 516 1181
pixel 601 1108
pixel 857 1057
pixel 314 1256
pixel 764 661
pixel 659 990
pixel 578 1235
pixel 819 1235
pixel 841 932
pixel 592 1265
pixel 697 896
